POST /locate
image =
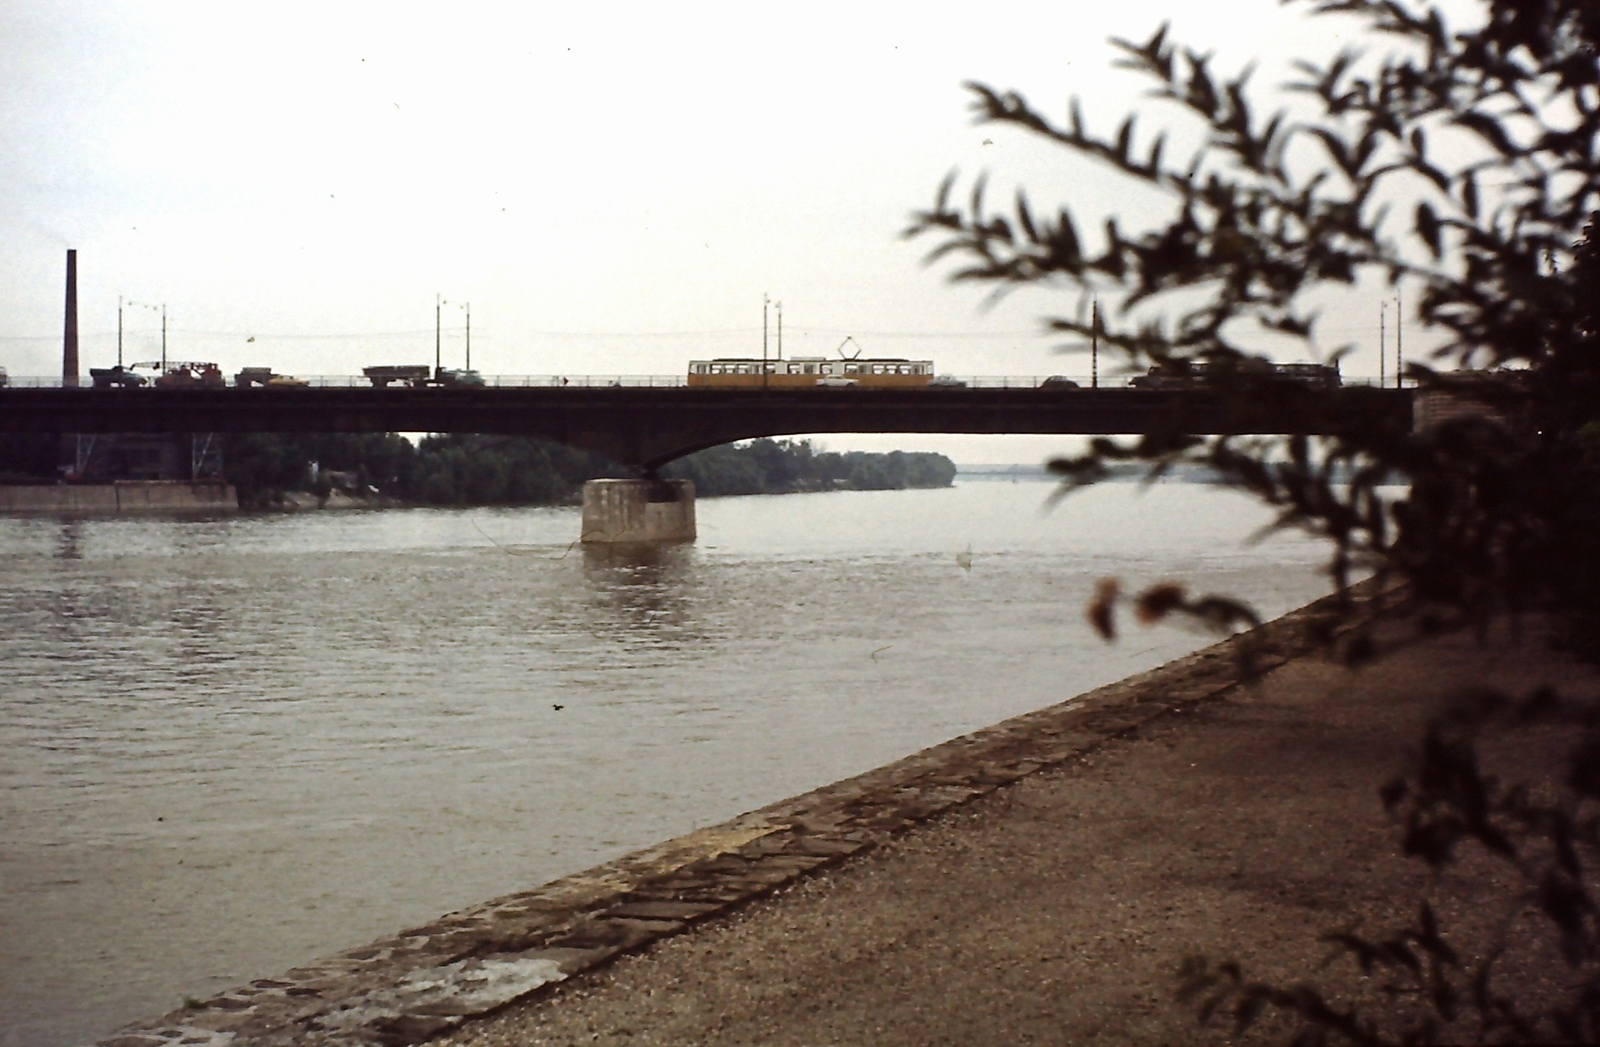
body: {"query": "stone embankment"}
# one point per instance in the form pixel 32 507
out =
pixel 121 497
pixel 430 979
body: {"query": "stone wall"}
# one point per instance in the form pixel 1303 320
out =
pixel 125 496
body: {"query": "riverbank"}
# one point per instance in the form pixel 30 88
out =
pixel 1239 824
pixel 123 497
pixel 1078 857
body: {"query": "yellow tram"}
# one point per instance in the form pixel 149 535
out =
pixel 799 371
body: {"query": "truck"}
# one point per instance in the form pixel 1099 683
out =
pixel 252 376
pixel 453 379
pixel 267 379
pixel 415 375
pixel 117 377
pixel 188 375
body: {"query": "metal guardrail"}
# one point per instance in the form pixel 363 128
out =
pixel 661 381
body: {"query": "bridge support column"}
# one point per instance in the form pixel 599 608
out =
pixel 618 511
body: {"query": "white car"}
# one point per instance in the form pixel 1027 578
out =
pixel 834 382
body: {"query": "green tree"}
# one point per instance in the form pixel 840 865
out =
pixel 1487 234
pixel 767 466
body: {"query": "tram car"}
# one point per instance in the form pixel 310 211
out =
pixel 802 371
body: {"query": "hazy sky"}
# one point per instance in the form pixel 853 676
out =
pixel 612 187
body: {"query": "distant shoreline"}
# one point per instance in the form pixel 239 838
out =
pixel 1119 473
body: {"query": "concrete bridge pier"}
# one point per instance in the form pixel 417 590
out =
pixel 638 511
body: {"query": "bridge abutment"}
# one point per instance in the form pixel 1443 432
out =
pixel 635 511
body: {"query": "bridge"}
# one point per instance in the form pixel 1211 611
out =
pixel 644 426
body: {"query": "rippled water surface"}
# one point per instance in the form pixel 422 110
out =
pixel 229 746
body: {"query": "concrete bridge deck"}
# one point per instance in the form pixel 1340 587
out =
pixel 647 426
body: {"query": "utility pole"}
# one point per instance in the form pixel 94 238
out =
pixel 764 341
pixel 1383 343
pixel 1094 346
pixel 119 332
pixel 1399 336
pixel 438 303
pixel 468 308
pixel 163 337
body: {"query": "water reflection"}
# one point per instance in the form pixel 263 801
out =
pixel 69 541
pixel 643 591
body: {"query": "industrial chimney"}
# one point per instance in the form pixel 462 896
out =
pixel 69 338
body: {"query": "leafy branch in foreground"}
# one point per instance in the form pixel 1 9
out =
pixel 1462 164
pixel 1270 209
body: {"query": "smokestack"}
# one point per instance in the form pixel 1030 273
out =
pixel 69 338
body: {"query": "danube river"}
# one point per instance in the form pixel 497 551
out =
pixel 233 745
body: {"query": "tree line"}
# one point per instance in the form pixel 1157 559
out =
pixel 460 469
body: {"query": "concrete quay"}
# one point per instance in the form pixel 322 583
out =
pixel 122 497
pixel 1036 881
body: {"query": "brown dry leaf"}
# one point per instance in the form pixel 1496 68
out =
pixel 1156 602
pixel 1102 609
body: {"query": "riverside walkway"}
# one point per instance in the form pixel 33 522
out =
pixel 1036 882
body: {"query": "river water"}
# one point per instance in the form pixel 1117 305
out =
pixel 229 746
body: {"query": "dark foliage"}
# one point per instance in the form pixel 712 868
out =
pixel 780 466
pixel 464 469
pixel 29 457
pixel 1270 209
pixel 445 470
pixel 1495 239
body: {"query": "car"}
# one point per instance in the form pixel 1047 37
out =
pixel 835 382
pixel 947 381
pixel 3 378
pixel 1057 381
pixel 285 381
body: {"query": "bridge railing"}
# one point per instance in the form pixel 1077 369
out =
pixel 667 381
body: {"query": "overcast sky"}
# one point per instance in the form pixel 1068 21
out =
pixel 613 188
